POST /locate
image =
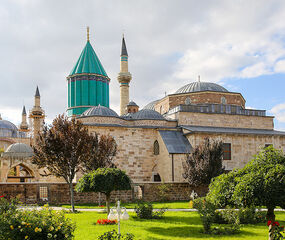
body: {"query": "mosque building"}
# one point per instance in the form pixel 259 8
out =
pixel 153 141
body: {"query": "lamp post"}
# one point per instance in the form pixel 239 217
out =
pixel 118 213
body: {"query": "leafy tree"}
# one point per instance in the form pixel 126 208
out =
pixel 260 183
pixel 66 148
pixel 104 149
pixel 204 163
pixel 104 180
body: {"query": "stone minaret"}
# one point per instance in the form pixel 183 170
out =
pixel 37 115
pixel 24 127
pixel 124 79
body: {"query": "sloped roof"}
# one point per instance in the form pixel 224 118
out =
pixel 175 141
pixel 232 130
pixel 88 62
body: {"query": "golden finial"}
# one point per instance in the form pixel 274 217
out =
pixel 87 33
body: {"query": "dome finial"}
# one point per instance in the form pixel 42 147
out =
pixel 198 78
pixel 0 117
pixel 88 33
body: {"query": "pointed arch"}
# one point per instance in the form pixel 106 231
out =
pixel 156 148
pixel 20 173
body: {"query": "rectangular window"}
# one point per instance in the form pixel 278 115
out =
pixel 44 193
pixel 227 152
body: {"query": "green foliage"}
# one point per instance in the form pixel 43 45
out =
pixel 260 183
pixel 7 206
pixel 104 180
pixel 251 215
pixel 41 224
pixel 206 210
pixel 144 210
pixel 113 235
pixel 162 192
pixel 204 163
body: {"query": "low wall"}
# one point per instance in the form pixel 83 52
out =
pixel 58 193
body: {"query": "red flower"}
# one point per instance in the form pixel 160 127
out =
pixel 1 196
pixel 276 223
pixel 269 222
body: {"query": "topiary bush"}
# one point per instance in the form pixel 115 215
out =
pixel 41 224
pixel 144 210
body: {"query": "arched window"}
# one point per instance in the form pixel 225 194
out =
pixel 223 100
pixel 156 148
pixel 188 101
pixel 20 173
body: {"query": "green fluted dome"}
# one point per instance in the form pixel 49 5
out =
pixel 88 62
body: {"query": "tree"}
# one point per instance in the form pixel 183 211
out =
pixel 204 163
pixel 66 148
pixel 103 152
pixel 104 180
pixel 260 183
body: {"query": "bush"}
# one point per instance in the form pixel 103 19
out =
pixel 206 211
pixel 163 192
pixel 113 235
pixel 41 224
pixel 145 211
pixel 251 215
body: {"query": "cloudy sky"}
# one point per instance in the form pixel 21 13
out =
pixel 239 44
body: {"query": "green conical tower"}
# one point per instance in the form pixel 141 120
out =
pixel 88 83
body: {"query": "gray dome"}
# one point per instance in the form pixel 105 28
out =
pixel 201 86
pixel 19 150
pixel 7 129
pixel 132 103
pixel 148 114
pixel 100 111
pixel 151 105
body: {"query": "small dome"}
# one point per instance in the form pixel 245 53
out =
pixel 151 105
pixel 19 150
pixel 100 111
pixel 132 103
pixel 7 129
pixel 148 114
pixel 200 87
pixel 128 116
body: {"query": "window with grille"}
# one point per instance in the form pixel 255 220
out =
pixel 223 100
pixel 267 145
pixel 188 101
pixel 44 193
pixel 156 148
pixel 227 152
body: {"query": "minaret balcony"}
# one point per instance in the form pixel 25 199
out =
pixel 124 77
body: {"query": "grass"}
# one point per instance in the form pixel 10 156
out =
pixel 175 225
pixel 169 205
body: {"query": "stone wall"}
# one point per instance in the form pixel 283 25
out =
pixel 243 147
pixel 173 100
pixel 58 193
pixel 223 120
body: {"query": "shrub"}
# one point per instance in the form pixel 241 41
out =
pixel 275 232
pixel 145 211
pixel 206 211
pixel 113 235
pixel 41 224
pixel 251 215
pixel 163 192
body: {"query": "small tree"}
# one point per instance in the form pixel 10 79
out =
pixel 65 148
pixel 104 150
pixel 104 180
pixel 261 183
pixel 204 163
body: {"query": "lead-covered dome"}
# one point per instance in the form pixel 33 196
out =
pixel 151 105
pixel 19 150
pixel 100 111
pixel 7 129
pixel 148 114
pixel 200 87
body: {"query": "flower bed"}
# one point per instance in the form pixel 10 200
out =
pixel 106 222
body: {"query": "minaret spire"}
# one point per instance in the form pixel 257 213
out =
pixel 88 33
pixel 37 114
pixel 24 125
pixel 124 79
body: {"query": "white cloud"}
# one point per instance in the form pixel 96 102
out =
pixel 280 66
pixel 279 112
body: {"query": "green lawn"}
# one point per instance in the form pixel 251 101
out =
pixel 175 225
pixel 169 205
